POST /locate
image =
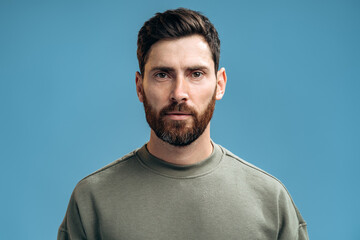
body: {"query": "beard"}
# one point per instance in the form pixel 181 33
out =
pixel 179 132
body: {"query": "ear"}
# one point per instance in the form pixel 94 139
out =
pixel 221 83
pixel 139 86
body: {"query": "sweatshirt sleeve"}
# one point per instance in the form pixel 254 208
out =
pixel 71 228
pixel 292 225
pixel 303 235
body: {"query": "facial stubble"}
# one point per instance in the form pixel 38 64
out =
pixel 179 132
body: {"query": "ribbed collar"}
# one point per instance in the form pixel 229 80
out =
pixel 180 171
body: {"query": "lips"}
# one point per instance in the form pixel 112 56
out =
pixel 178 113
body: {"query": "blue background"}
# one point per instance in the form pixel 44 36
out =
pixel 69 106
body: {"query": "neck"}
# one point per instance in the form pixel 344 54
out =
pixel 193 153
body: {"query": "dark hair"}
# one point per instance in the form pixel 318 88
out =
pixel 176 23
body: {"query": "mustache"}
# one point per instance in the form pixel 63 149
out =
pixel 181 107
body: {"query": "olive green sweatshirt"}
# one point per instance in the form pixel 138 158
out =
pixel 142 197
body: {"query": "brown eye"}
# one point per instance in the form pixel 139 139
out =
pixel 196 74
pixel 161 75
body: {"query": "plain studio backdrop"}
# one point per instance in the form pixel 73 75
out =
pixel 69 106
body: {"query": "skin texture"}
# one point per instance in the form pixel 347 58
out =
pixel 180 72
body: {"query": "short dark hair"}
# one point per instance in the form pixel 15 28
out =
pixel 176 23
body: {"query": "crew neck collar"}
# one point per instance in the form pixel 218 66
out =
pixel 167 169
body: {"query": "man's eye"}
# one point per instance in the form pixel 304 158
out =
pixel 161 75
pixel 196 74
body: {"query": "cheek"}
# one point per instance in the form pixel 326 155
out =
pixel 156 99
pixel 202 101
pixel 205 95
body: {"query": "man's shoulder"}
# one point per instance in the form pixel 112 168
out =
pixel 107 173
pixel 252 173
pixel 263 184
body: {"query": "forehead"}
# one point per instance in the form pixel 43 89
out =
pixel 182 52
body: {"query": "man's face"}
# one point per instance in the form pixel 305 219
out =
pixel 179 89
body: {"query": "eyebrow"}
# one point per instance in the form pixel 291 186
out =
pixel 170 69
pixel 163 69
pixel 198 67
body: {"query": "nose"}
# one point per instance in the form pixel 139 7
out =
pixel 180 90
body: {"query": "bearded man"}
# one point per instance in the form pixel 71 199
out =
pixel 180 185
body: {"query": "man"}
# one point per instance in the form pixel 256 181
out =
pixel 180 185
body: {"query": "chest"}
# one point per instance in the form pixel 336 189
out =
pixel 216 208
